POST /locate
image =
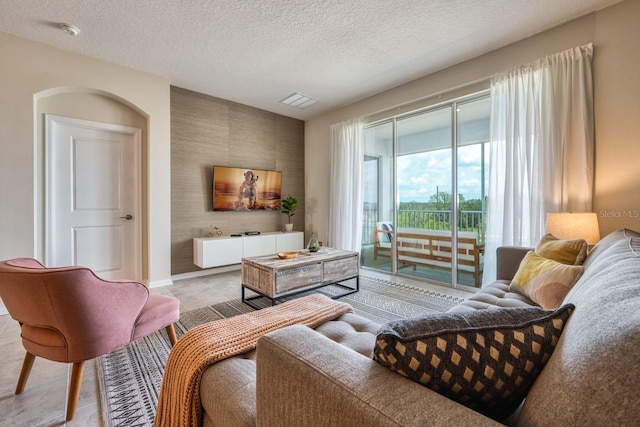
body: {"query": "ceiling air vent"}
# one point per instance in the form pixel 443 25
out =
pixel 299 100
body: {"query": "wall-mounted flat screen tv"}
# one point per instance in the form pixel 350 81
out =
pixel 240 189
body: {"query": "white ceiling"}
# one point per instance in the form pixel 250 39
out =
pixel 259 52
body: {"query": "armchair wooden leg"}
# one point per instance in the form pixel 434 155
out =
pixel 24 372
pixel 171 331
pixel 74 389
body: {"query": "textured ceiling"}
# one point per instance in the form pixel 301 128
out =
pixel 259 52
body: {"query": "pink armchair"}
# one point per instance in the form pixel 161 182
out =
pixel 70 315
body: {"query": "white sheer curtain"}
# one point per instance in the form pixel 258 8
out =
pixel 542 148
pixel 346 188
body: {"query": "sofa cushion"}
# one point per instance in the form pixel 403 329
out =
pixel 572 252
pixel 227 389
pixel 496 295
pixel 486 359
pixel 546 282
pixel 352 331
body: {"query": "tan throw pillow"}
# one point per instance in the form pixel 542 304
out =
pixel 545 281
pixel 484 359
pixel 571 252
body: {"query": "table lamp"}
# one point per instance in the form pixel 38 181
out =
pixel 574 225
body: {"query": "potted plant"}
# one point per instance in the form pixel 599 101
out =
pixel 289 207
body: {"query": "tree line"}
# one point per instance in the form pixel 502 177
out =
pixel 443 201
pixel 411 214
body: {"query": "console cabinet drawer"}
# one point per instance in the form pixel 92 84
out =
pixel 340 269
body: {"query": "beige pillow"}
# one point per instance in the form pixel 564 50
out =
pixel 571 252
pixel 545 281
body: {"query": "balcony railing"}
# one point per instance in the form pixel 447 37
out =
pixel 426 219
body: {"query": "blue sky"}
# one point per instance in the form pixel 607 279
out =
pixel 421 175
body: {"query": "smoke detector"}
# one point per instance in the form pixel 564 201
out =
pixel 70 29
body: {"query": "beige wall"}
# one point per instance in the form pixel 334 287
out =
pixel 208 131
pixel 615 35
pixel 617 111
pixel 36 79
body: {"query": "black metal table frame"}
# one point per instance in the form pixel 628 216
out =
pixel 276 300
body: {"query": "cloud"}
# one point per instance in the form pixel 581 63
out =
pixel 469 155
pixel 422 175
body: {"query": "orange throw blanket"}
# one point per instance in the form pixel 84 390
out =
pixel 179 401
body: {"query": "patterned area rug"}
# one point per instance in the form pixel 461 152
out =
pixel 130 378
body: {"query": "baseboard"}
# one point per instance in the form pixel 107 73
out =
pixel 207 272
pixel 159 283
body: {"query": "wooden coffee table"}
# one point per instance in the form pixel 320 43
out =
pixel 274 278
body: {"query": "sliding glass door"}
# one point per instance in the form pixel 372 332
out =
pixel 424 192
pixel 472 182
pixel 425 204
pixel 378 218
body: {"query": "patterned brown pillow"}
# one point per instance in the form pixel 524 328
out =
pixel 485 359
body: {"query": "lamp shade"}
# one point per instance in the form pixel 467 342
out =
pixel 570 225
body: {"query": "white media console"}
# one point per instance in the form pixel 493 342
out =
pixel 226 250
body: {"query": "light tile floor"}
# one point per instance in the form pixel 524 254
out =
pixel 43 403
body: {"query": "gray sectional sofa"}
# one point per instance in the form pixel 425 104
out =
pixel 304 377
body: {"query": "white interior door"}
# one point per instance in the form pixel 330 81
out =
pixel 93 197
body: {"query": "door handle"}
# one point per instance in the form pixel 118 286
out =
pixel 127 217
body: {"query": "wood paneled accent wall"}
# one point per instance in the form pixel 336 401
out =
pixel 208 131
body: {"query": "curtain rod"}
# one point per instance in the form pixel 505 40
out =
pixel 425 97
pixel 442 92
